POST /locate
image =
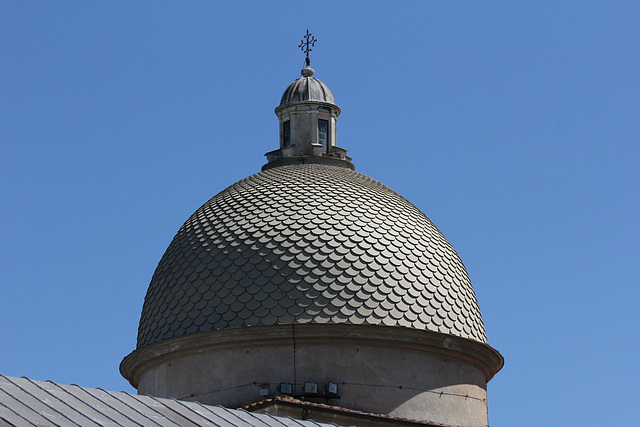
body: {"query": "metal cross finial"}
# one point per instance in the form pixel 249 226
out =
pixel 307 44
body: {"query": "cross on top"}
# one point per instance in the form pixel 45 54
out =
pixel 307 42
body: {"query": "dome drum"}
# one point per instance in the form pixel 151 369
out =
pixel 432 372
pixel 307 130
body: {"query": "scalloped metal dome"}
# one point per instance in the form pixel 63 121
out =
pixel 307 88
pixel 309 243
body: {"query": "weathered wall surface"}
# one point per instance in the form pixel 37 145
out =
pixel 398 376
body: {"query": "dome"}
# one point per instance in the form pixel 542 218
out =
pixel 309 243
pixel 307 88
pixel 311 273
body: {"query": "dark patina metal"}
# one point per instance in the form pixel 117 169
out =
pixel 307 42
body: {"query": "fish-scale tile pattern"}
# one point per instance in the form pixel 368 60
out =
pixel 309 243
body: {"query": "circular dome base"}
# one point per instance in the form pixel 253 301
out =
pixel 401 372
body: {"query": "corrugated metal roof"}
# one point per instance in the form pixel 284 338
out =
pixel 44 403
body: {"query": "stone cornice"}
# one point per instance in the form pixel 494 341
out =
pixel 307 105
pixel 480 355
pixel 320 160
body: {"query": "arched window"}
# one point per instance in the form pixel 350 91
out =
pixel 323 135
pixel 286 134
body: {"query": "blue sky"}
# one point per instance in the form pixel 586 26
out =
pixel 513 125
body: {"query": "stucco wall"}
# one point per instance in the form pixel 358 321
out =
pixel 387 374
